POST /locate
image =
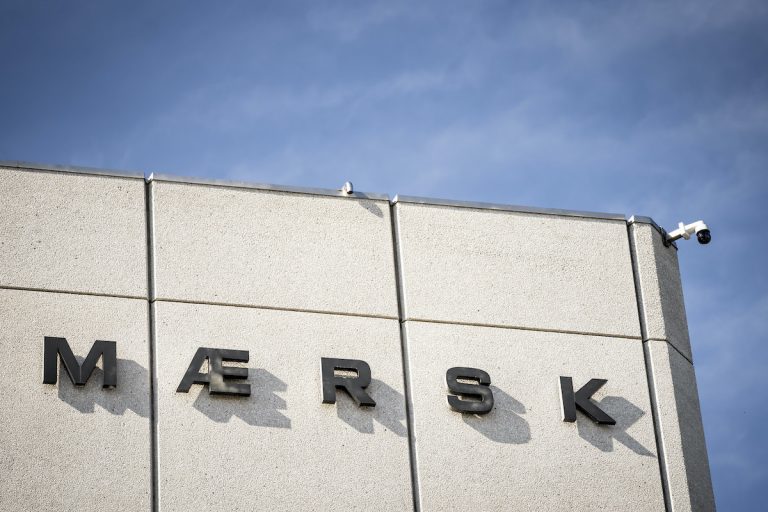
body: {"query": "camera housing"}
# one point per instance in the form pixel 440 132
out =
pixel 704 236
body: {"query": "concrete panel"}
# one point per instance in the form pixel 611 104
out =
pixel 277 249
pixel 68 448
pixel 521 455
pixel 681 433
pixel 281 448
pixel 73 232
pixel 513 269
pixel 660 290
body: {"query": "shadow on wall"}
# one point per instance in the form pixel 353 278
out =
pixel 261 409
pixel 389 410
pixel 626 414
pixel 132 391
pixel 503 424
pixel 371 207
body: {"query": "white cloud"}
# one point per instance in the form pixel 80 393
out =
pixel 348 20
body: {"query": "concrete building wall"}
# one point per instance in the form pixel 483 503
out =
pixel 413 288
pixel 72 259
pixel 290 277
pixel 276 249
pixel 672 379
pixel 528 297
pixel 72 232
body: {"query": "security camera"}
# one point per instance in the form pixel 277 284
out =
pixel 686 230
pixel 704 236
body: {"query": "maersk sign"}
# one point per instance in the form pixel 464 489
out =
pixel 182 344
pixel 474 399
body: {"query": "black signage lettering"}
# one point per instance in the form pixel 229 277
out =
pixel 581 401
pixel 217 372
pixel 481 391
pixel 355 386
pixel 469 388
pixel 78 374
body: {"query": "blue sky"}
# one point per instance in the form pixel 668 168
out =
pixel 649 108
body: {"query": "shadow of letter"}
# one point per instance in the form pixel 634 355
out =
pixel 602 437
pixel 503 424
pixel 261 409
pixel 389 411
pixel 132 391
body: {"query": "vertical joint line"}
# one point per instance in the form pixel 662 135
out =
pixel 649 369
pixel 149 219
pixel 404 355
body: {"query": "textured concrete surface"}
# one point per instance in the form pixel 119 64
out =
pixel 516 269
pixel 522 456
pixel 274 249
pixel 68 448
pixel 680 429
pixel 70 232
pixel 660 288
pixel 281 448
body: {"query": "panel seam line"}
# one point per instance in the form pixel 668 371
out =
pixel 154 462
pixel 404 354
pixel 71 292
pixel 274 308
pixel 671 345
pixel 523 328
pixel 649 371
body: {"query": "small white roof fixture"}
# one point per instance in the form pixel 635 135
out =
pixel 347 188
pixel 686 230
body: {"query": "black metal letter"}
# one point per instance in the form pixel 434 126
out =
pixel 355 386
pixel 217 372
pixel 581 401
pixel 78 374
pixel 481 390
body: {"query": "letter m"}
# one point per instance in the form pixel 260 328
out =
pixel 79 374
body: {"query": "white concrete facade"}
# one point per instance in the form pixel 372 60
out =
pixel 163 266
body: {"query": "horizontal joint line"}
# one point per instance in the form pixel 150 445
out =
pixel 671 345
pixel 274 308
pixel 523 328
pixel 71 292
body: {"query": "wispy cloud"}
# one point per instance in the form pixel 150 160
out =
pixel 348 21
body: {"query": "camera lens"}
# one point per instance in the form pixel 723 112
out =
pixel 704 236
